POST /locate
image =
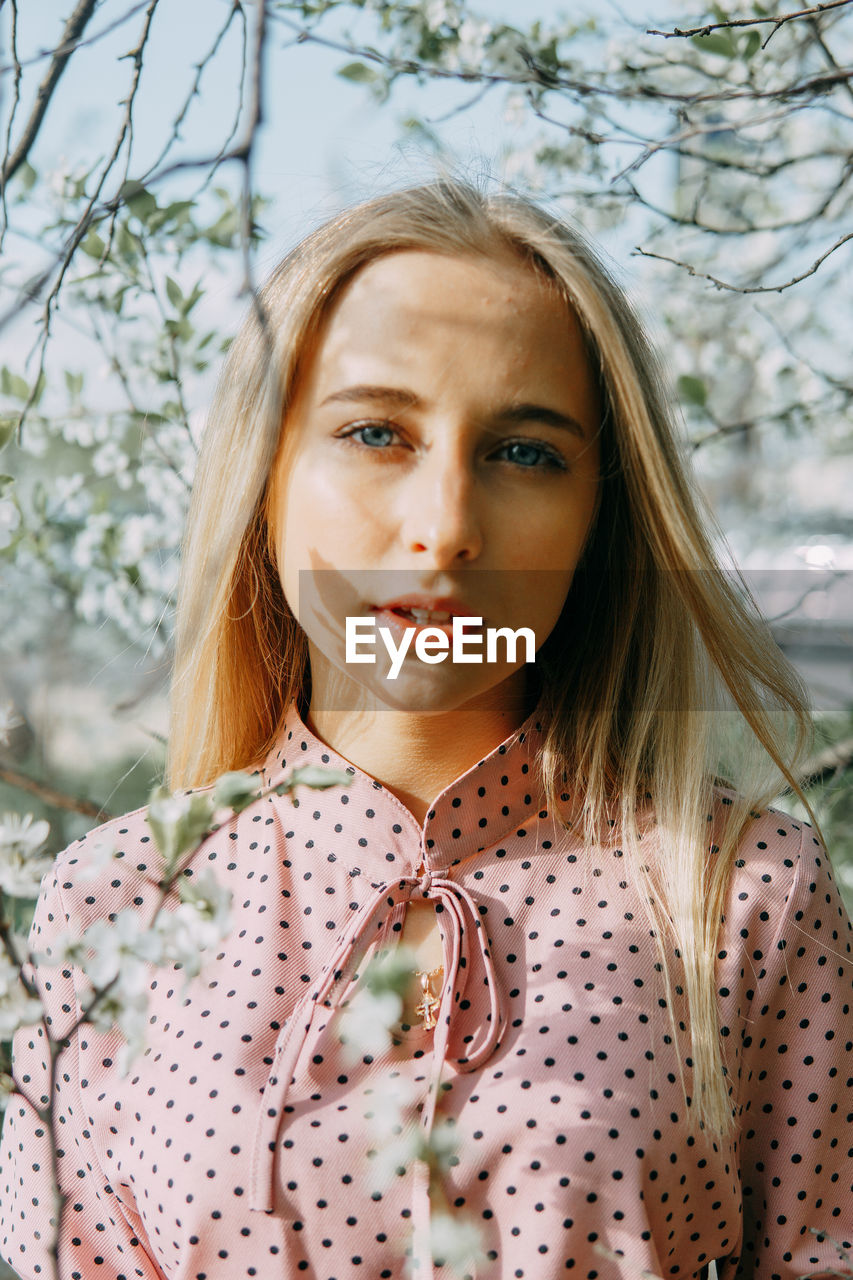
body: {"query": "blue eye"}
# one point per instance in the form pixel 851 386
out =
pixel 372 430
pixel 527 451
pixel 529 455
pixel 357 434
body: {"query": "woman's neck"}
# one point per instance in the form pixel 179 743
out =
pixel 416 756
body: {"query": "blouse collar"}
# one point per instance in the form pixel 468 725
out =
pixel 501 791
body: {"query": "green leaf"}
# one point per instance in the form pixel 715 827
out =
pixel 236 790
pixel 717 43
pixel 314 775
pixel 93 245
pixel 127 244
pixel 181 329
pixel 27 176
pixel 191 299
pixel 5 481
pixel 8 426
pixel 358 72
pixel 11 384
pixel 178 823
pixel 692 389
pixel 177 213
pixel 74 383
pixel 751 44
pixel 173 290
pixel 140 202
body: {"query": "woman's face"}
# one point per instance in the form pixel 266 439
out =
pixel 442 443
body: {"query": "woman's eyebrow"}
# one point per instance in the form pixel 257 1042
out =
pixel 539 413
pixel 397 396
pixel 402 397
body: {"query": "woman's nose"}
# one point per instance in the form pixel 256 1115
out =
pixel 441 518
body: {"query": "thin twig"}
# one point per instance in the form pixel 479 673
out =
pixel 16 98
pixel 815 588
pixel 74 28
pixel 582 89
pixel 238 110
pixel 84 222
pixel 779 20
pixel 807 220
pixel 244 151
pixel 175 369
pixel 50 795
pixel 735 288
pixel 827 53
pixel 135 408
pixel 73 45
pixel 236 7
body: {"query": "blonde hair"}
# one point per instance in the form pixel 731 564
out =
pixel 660 679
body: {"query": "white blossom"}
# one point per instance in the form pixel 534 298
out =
pixel 70 495
pixel 21 864
pixel 138 534
pixel 444 1142
pixel 200 922
pixel 441 13
pixel 117 947
pixel 505 56
pixel 99 855
pixel 365 1022
pixel 391 1155
pixel 471 50
pixel 456 1241
pixel 17 1007
pixel 388 1105
pixel 125 1008
pixel 79 431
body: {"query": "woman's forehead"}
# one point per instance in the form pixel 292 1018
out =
pixel 406 305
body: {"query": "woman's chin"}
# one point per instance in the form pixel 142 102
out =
pixel 428 692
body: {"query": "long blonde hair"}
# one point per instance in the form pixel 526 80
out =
pixel 660 680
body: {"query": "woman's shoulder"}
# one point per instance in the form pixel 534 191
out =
pixel 769 839
pixel 781 876
pixel 113 866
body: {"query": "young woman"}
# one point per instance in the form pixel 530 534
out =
pixel 631 998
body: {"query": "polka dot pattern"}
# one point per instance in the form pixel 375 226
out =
pixel 240 1143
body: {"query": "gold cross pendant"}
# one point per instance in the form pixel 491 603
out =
pixel 429 1003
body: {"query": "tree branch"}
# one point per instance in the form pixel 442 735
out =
pixel 50 796
pixel 776 21
pixel 244 150
pixel 85 221
pixel 735 288
pixel 200 67
pixel 81 43
pixel 74 28
pixel 16 98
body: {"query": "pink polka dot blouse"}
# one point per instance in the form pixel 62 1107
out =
pixel 240 1143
